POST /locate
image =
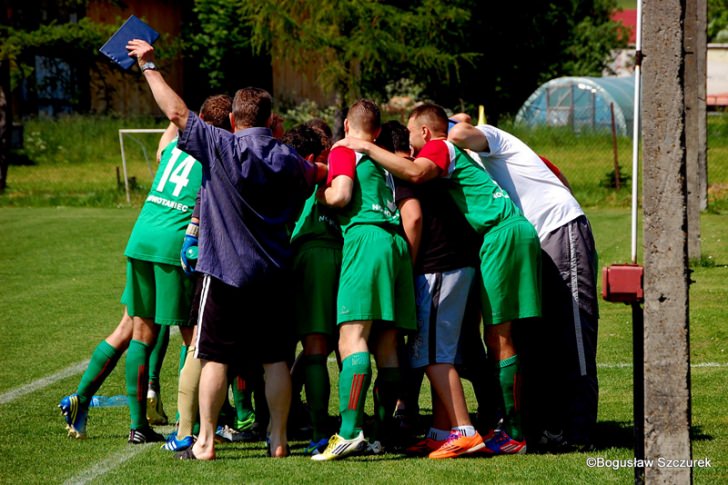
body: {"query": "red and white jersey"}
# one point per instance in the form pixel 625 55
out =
pixel 534 188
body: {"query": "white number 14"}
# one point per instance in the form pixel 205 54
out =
pixel 180 175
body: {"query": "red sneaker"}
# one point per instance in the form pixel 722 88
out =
pixel 424 447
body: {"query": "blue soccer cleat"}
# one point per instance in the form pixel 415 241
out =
pixel 173 444
pixel 314 448
pixel 498 442
pixel 75 415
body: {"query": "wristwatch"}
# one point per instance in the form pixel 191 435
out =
pixel 148 65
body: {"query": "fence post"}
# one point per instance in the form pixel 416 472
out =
pixel 617 181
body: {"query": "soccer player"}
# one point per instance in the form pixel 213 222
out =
pixel 375 285
pixel 253 188
pixel 510 262
pixel 445 268
pixel 317 243
pixel 564 371
pixel 157 290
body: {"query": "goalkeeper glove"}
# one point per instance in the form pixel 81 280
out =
pixel 188 256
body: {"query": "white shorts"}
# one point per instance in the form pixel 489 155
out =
pixel 441 299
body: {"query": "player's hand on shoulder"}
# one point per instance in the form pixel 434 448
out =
pixel 356 144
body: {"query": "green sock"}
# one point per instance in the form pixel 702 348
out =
pixel 386 393
pixel 354 380
pixel 507 376
pixel 137 358
pixel 243 398
pixel 103 360
pixel 318 391
pixel 156 357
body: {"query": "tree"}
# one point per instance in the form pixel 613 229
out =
pixel 351 41
pixel 220 46
pixel 523 44
pixel 718 20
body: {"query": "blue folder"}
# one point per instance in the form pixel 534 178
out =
pixel 133 28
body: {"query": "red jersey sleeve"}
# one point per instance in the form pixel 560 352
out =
pixel 551 166
pixel 437 152
pixel 342 161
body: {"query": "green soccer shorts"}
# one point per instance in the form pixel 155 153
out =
pixel 376 278
pixel 510 264
pixel 316 269
pixel 159 291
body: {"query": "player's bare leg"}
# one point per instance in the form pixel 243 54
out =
pixel 213 390
pixel 278 396
pixel 446 384
pixel 122 334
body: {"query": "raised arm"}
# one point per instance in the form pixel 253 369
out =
pixel 168 101
pixel 165 139
pixel 417 171
pixel 465 135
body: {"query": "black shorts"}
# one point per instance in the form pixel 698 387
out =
pixel 245 326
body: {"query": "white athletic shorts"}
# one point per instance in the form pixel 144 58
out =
pixel 441 300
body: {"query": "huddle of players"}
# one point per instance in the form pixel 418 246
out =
pixel 464 233
pixel 376 290
pixel 352 267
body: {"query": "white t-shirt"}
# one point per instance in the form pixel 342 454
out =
pixel 540 195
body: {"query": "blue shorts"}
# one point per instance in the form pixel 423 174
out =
pixel 441 302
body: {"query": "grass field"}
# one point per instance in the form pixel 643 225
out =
pixel 65 222
pixel 62 272
pixel 74 161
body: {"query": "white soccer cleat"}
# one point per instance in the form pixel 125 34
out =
pixel 339 447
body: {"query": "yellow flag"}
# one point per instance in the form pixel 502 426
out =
pixel 481 115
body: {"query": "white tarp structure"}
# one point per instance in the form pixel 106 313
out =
pixel 581 103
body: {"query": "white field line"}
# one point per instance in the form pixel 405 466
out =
pixel 38 384
pixel 105 466
pixel 72 370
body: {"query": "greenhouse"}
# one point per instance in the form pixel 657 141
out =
pixel 582 103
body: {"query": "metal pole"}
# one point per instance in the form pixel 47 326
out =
pixel 123 154
pixel 637 313
pixel 636 130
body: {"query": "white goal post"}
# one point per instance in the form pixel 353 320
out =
pixel 122 132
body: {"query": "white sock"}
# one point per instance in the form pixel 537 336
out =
pixel 464 430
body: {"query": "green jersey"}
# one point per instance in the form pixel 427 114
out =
pixel 160 228
pixel 483 202
pixel 316 223
pixel 372 198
